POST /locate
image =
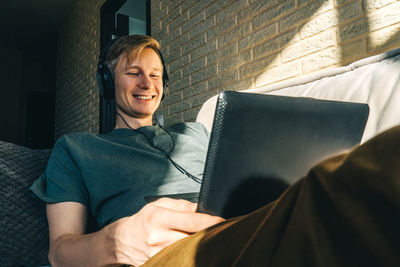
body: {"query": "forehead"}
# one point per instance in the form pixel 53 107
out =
pixel 146 58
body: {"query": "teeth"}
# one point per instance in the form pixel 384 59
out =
pixel 143 97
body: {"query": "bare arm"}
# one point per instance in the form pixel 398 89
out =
pixel 68 244
pixel 130 240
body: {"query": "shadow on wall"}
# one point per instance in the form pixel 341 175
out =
pixel 361 27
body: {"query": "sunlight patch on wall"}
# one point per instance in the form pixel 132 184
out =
pixel 384 25
pixel 313 47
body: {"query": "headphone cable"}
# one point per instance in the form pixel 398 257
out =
pixel 167 155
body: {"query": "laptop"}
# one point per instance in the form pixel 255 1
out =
pixel 261 144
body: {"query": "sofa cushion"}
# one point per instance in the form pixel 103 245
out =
pixel 23 225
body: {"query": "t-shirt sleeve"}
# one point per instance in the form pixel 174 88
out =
pixel 62 180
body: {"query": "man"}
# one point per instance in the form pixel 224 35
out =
pixel 345 212
pixel 110 174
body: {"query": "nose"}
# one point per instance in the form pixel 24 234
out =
pixel 145 82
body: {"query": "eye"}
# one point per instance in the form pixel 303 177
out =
pixel 155 75
pixel 133 73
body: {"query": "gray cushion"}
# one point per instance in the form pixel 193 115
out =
pixel 23 225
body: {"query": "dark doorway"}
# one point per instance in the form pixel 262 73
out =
pixel 40 120
pixel 28 53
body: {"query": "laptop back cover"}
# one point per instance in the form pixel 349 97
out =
pixel 260 144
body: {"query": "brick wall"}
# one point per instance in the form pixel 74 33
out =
pixel 212 45
pixel 77 99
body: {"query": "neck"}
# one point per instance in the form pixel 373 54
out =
pixel 124 121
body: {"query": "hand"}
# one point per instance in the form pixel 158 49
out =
pixel 158 224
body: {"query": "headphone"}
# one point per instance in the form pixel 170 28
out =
pixel 105 78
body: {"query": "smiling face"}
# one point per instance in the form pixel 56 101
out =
pixel 138 88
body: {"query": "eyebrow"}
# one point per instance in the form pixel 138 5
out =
pixel 137 67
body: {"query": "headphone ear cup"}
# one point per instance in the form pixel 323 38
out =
pixel 165 84
pixel 106 82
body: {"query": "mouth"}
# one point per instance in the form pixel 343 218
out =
pixel 144 97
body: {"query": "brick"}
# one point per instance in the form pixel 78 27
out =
pixel 215 7
pixel 221 27
pixel 273 13
pixel 352 50
pixel 193 43
pixel 310 45
pixel 384 17
pixel 191 115
pixel 338 3
pixel 318 24
pixel 241 85
pixel 235 61
pixel 200 99
pixel 234 34
pixel 231 9
pixel 273 45
pixel 222 79
pixel 350 11
pixel 174 4
pixel 179 63
pixel 300 3
pixel 247 13
pixel 179 21
pixel 278 73
pixel 170 120
pixel 172 16
pixel 385 38
pixel 179 85
pixel 194 66
pixel 164 4
pixel 155 8
pixel 254 38
pixel 194 19
pixel 188 4
pixel 203 50
pixel 199 5
pixel 303 14
pixel 179 107
pixel 162 111
pixel 221 53
pixel 174 54
pixel 204 74
pixel 174 76
pixel 181 41
pixel 155 27
pixel 195 89
pixel 325 58
pixel 375 4
pixel 202 27
pixel 172 98
pixel 353 30
pixel 172 35
pixel 258 66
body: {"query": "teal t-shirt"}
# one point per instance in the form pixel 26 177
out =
pixel 110 174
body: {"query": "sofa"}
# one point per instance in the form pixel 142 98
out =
pixel 23 227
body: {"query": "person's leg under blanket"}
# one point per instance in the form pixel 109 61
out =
pixel 345 212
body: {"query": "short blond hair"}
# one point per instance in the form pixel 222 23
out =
pixel 131 46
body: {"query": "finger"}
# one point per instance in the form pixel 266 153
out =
pixel 162 237
pixel 187 222
pixel 176 204
pixel 168 238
